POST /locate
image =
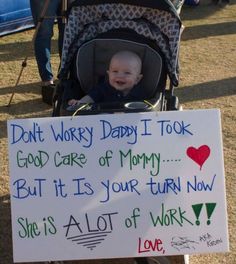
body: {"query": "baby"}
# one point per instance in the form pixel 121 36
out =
pixel 124 74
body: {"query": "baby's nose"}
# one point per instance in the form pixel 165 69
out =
pixel 120 75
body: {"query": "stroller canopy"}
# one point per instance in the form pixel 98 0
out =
pixel 152 19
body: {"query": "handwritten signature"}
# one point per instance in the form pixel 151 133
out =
pixel 180 243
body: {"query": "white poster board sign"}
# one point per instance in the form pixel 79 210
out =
pixel 114 186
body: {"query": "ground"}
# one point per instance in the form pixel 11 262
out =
pixel 207 80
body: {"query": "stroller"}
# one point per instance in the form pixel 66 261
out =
pixel 96 30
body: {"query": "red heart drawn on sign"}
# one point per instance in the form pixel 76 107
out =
pixel 199 155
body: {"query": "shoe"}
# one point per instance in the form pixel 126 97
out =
pixel 48 93
pixel 183 259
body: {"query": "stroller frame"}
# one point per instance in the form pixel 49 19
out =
pixel 156 21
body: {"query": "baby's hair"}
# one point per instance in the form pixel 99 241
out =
pixel 126 54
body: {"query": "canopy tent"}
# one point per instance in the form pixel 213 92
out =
pixel 15 16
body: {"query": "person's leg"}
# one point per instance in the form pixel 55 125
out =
pixel 42 43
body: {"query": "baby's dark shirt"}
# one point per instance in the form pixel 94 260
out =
pixel 106 93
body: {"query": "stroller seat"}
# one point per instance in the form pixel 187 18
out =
pixel 92 62
pixel 93 59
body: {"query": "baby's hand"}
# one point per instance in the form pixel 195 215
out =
pixel 73 102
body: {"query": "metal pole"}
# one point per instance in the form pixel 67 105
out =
pixel 24 63
pixel 64 9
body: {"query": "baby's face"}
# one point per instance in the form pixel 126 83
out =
pixel 123 74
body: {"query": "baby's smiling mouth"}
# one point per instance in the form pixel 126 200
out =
pixel 120 82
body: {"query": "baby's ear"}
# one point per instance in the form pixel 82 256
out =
pixel 139 77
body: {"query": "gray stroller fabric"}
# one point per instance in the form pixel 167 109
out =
pixel 97 57
pixel 87 22
pixel 178 5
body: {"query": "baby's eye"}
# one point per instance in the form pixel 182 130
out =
pixel 128 73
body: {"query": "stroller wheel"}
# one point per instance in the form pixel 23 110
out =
pixel 152 260
pixel 54 262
